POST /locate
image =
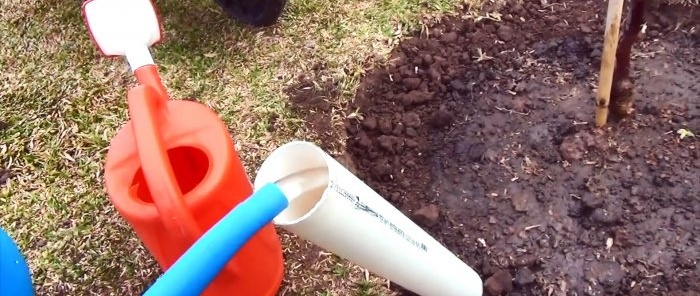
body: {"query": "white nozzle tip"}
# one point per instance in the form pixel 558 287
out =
pixel 138 56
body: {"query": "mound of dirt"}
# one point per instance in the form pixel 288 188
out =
pixel 483 127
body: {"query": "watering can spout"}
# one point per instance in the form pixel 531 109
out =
pixel 148 76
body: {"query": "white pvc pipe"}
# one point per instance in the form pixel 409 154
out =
pixel 335 210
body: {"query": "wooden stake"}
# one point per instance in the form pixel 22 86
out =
pixel 607 63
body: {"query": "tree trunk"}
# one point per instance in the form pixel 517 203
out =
pixel 622 85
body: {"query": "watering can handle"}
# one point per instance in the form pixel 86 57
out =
pixel 146 106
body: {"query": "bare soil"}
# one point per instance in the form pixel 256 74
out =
pixel 481 130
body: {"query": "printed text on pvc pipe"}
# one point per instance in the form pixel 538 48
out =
pixel 363 207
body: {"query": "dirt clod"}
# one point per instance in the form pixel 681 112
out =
pixel 415 97
pixel 385 126
pixel 608 274
pixel 449 37
pixel 4 176
pixel 522 200
pixel 572 148
pixel 412 83
pixel 524 277
pixel 499 283
pixel 441 118
pixel 428 215
pixel 505 33
pixel 370 123
pixel 603 216
pixel 411 119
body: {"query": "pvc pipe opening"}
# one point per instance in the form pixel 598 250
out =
pixel 301 172
pixel 304 190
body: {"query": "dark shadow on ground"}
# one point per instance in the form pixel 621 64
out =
pixel 195 28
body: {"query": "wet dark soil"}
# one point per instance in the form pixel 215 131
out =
pixel 485 124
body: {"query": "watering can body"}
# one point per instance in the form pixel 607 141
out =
pixel 209 182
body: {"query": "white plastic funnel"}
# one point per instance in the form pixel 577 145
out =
pixel 123 28
pixel 338 212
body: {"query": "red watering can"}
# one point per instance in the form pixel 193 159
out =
pixel 172 171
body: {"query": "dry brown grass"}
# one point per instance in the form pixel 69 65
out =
pixel 683 2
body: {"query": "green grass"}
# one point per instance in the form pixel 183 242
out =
pixel 366 288
pixel 62 103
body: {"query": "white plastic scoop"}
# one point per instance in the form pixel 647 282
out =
pixel 123 28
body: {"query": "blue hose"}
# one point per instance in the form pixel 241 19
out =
pixel 192 273
pixel 15 277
